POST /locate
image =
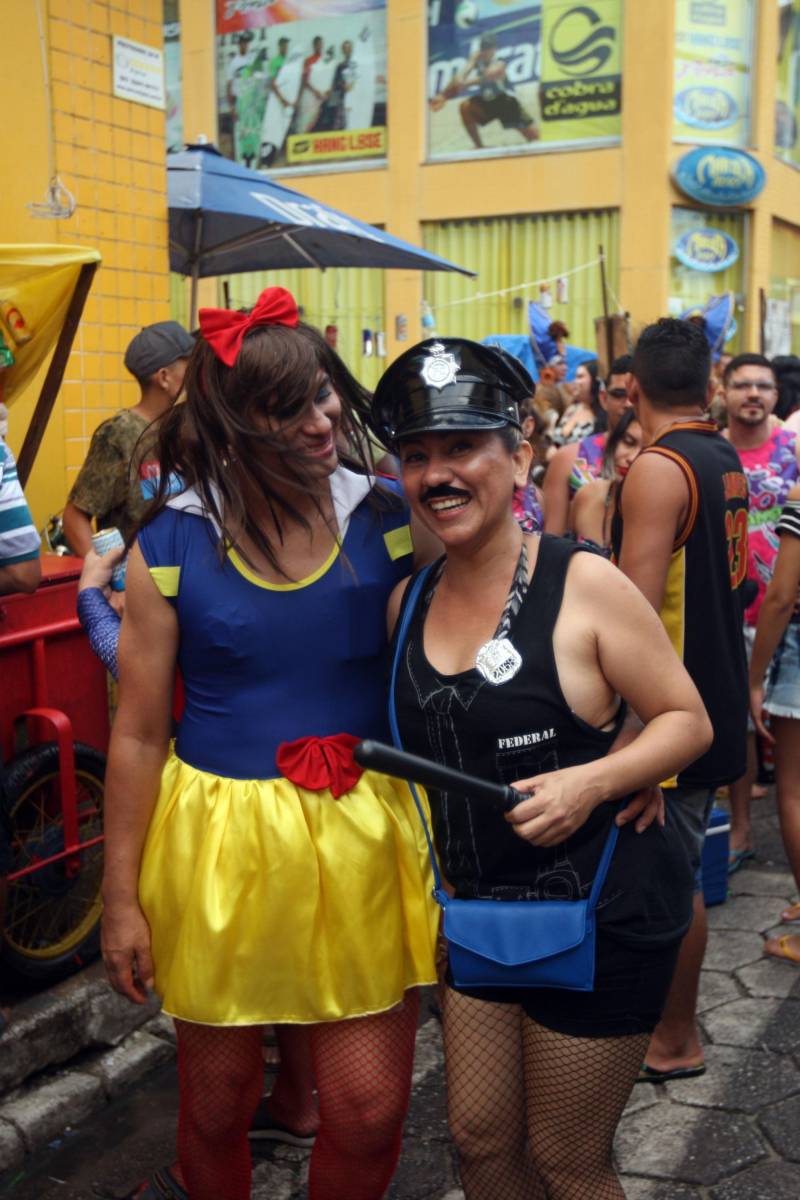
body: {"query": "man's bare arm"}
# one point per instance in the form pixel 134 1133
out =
pixel 555 489
pixel 655 504
pixel 77 529
pixel 20 577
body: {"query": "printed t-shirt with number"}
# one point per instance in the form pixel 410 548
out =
pixel 702 607
pixel 19 541
pixel 772 471
pixel 109 486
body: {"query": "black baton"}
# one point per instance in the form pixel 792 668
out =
pixel 376 756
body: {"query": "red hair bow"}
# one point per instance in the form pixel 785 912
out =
pixel 225 330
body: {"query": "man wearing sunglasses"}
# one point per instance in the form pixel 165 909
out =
pixel 579 463
pixel 769 457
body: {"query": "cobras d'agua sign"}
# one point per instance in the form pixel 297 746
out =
pixel 718 176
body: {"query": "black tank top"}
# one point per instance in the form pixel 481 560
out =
pixel 702 609
pixel 525 727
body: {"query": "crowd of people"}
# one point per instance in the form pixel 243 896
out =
pixel 295 537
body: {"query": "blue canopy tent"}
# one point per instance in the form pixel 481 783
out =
pixel 536 350
pixel 225 218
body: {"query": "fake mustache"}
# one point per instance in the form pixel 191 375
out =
pixel 441 492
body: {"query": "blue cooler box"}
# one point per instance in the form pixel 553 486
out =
pixel 714 863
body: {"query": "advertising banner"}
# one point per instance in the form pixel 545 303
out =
pixel 711 92
pixel 787 100
pixel 172 81
pixel 301 82
pixel 517 74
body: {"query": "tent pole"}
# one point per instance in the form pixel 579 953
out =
pixel 55 373
pixel 193 295
pixel 198 241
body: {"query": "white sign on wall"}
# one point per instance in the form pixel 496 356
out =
pixel 138 73
pixel 777 328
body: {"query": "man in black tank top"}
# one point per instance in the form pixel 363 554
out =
pixel 680 534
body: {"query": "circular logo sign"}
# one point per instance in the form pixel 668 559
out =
pixel 706 250
pixel 705 108
pixel 719 176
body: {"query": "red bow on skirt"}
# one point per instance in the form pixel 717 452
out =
pixel 318 763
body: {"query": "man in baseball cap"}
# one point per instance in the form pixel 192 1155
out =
pixel 447 384
pixel 111 485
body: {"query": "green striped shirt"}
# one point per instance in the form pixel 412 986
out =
pixel 19 540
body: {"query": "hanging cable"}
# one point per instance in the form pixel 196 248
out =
pixel 59 200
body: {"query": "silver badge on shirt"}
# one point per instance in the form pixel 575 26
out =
pixel 498 661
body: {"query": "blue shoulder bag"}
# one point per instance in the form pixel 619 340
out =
pixel 509 943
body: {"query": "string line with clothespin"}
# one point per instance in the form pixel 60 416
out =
pixel 520 287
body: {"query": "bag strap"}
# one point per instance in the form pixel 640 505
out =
pixel 412 599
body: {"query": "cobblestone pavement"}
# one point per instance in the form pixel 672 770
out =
pixel 730 1135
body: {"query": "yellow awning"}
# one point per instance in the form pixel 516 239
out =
pixel 37 281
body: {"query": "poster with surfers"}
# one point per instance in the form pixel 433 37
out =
pixel 301 83
pixel 512 75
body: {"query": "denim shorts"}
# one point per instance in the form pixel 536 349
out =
pixel 688 810
pixel 782 692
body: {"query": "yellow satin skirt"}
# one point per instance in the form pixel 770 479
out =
pixel 268 903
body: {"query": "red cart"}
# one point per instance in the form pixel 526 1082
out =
pixel 54 730
pixel 54 721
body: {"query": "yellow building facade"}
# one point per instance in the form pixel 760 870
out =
pixel 527 216
pixel 109 153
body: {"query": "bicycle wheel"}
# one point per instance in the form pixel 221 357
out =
pixel 52 919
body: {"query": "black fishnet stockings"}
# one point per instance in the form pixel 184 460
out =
pixel 363 1070
pixel 532 1112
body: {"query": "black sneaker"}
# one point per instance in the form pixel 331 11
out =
pixel 265 1128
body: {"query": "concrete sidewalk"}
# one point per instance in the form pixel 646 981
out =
pixel 733 1134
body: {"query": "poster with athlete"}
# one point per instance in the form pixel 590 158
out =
pixel 513 75
pixel 301 83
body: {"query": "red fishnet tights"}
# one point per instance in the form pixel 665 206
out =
pixel 221 1077
pixel 363 1070
pixel 532 1112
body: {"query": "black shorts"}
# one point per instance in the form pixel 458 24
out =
pixel 630 989
pixel 505 109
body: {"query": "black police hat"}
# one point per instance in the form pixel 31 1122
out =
pixel 447 384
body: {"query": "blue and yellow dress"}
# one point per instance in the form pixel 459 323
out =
pixel 268 901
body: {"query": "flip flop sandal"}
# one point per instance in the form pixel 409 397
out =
pixel 791 914
pixel 737 859
pixel 784 949
pixel 161 1185
pixel 653 1075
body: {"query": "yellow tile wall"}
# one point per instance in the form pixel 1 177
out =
pixel 111 155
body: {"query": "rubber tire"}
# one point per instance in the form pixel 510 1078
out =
pixel 22 773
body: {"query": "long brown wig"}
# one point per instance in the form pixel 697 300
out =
pixel 216 439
